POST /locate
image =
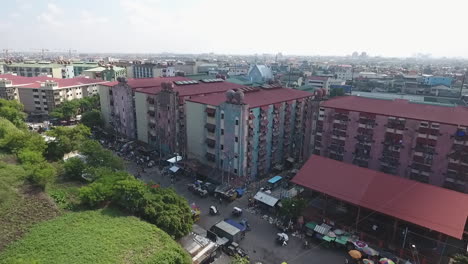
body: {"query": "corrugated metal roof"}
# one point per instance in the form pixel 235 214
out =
pixel 266 199
pixel 429 206
pixel 401 108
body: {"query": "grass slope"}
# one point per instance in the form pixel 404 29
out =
pixel 20 206
pixel 102 236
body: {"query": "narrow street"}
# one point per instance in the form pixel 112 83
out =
pixel 260 242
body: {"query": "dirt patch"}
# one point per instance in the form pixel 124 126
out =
pixel 32 207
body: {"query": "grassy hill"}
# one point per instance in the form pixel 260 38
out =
pixel 20 205
pixel 101 236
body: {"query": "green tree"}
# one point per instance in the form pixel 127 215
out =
pixel 38 171
pixel 66 110
pixel 67 139
pixel 292 207
pixel 12 110
pixel 92 119
pixel 461 259
pixel 337 92
pixel 240 260
pixel 74 168
pixel 88 103
pixel 13 139
pixel 97 156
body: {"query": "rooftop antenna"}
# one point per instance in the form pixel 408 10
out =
pixel 70 53
pixel 463 83
pixel 6 53
pixel 43 51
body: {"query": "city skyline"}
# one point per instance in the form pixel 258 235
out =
pixel 332 28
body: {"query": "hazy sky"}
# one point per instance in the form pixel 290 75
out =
pixel 309 27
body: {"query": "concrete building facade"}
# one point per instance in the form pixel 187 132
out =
pixel 152 110
pixel 150 70
pixel 423 142
pixel 250 131
pixel 42 94
pixel 62 69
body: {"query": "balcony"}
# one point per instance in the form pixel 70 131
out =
pixel 428 149
pixel 210 127
pixel 210 143
pixel 210 112
pixel 151 113
pixel 365 138
pixel 210 157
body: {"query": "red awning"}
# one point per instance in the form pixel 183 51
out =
pixel 429 206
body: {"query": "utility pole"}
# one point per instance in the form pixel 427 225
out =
pixel 463 83
pixel 43 51
pixel 6 53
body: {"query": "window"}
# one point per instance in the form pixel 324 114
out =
pixel 237 122
pixel 235 171
pixel 35 90
pixel 167 108
pixel 237 139
pixel 168 121
pixel 38 108
pixel 222 146
pixel 222 131
pixel 222 115
pixel 44 97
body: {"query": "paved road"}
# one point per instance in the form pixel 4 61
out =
pixel 260 242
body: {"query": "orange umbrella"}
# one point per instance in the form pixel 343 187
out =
pixel 355 254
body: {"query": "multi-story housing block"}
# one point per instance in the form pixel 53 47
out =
pixel 42 94
pixel 152 110
pixel 50 69
pixel 250 131
pixel 150 70
pixel 419 141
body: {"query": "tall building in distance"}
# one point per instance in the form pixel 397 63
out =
pixel 42 94
pixel 423 142
pixel 251 130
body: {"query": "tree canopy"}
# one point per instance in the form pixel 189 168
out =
pixel 292 207
pixel 461 259
pixel 70 109
pixel 97 156
pixel 92 119
pixel 160 206
pixel 12 110
pixel 67 139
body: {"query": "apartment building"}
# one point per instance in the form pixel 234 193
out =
pixel 107 73
pixel 252 130
pixel 50 69
pixel 42 94
pixel 152 110
pixel 423 142
pixel 324 82
pixel 150 70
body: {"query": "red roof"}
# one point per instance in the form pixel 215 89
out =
pixel 401 108
pixel 35 82
pixel 189 89
pixel 429 206
pixel 148 82
pixel 318 78
pixel 255 99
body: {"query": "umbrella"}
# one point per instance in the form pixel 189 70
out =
pixel 339 231
pixel 360 244
pixel 370 251
pixel 386 261
pixel 331 234
pixel 355 254
pixel 367 261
